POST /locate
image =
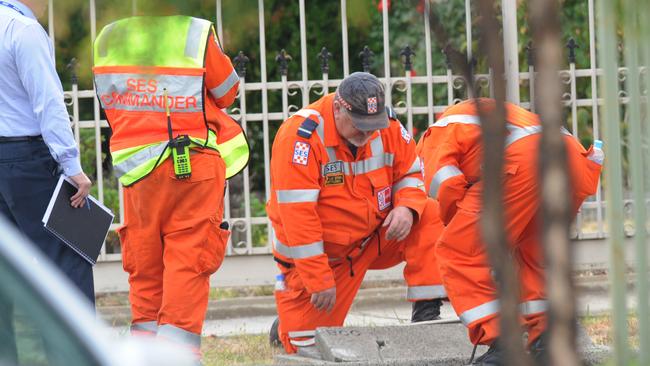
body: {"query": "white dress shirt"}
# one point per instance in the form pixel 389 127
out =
pixel 31 96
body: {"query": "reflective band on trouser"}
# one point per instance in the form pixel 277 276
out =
pixel 235 154
pixel 183 92
pixel 304 343
pixel 415 167
pixel 466 119
pixel 176 334
pixel 223 88
pixel 484 310
pixel 302 333
pixel 533 307
pixel 144 328
pixel 426 292
pixel 297 195
pixel 138 163
pixel 300 251
pixel 373 163
pixel 408 183
pixel 444 173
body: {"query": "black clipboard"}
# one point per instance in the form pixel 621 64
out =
pixel 83 229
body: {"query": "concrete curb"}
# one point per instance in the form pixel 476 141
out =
pixel 366 298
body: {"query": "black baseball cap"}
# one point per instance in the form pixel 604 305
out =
pixel 363 96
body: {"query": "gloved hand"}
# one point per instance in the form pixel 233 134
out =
pixel 324 300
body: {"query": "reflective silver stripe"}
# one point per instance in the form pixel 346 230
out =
pixel 479 312
pixel 225 86
pixel 467 119
pixel 377 146
pixel 102 47
pixel 331 153
pixel 426 292
pixel 139 158
pixel 298 252
pixel 373 163
pixel 305 343
pixel 415 168
pixel 184 92
pixel 533 307
pixel 297 195
pixel 444 173
pixel 518 133
pixel 302 333
pixel 145 327
pixel 408 183
pixel 179 335
pixel 193 41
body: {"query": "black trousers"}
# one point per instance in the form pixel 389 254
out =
pixel 28 175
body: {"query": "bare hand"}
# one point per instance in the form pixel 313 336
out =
pixel 324 300
pixel 83 188
pixel 399 222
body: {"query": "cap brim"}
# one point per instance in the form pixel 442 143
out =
pixel 370 122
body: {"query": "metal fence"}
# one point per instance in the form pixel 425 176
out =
pixel 244 206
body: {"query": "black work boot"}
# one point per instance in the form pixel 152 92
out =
pixel 274 334
pixel 539 350
pixel 492 357
pixel 424 310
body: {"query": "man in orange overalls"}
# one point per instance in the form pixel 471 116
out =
pixel 451 153
pixel 162 82
pixel 347 196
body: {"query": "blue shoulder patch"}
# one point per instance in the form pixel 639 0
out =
pixel 391 113
pixel 307 128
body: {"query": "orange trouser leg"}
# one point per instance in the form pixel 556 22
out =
pixel 298 318
pixel 421 272
pixel 177 227
pixel 418 250
pixel 467 276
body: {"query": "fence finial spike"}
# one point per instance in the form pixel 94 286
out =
pixel 283 59
pixel 530 54
pixel 72 66
pixel 366 58
pixel 407 53
pixel 240 64
pixel 324 57
pixel 572 45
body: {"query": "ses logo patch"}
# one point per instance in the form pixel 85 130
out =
pixel 301 153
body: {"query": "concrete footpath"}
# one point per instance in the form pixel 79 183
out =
pixel 257 270
pixel 372 306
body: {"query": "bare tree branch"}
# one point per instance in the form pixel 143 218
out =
pixel 555 185
pixel 492 219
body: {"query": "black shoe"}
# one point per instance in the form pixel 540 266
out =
pixel 274 335
pixel 539 350
pixel 424 310
pixel 493 356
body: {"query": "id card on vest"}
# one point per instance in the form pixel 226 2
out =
pixel 333 173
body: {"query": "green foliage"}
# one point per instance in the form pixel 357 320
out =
pixel 240 30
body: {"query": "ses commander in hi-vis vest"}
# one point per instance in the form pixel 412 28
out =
pixel 162 82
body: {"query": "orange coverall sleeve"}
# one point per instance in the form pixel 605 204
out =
pixel 408 182
pixel 296 187
pixel 449 184
pixel 221 78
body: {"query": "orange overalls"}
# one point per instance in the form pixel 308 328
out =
pixel 327 208
pixel 171 239
pixel 451 153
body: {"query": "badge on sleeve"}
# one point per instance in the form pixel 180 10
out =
pixel 333 173
pixel 301 153
pixel 384 198
pixel 405 134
